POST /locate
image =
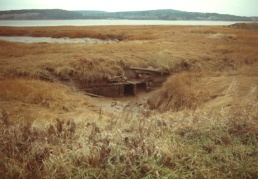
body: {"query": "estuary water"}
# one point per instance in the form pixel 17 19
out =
pixel 105 22
pixel 33 23
pixel 27 39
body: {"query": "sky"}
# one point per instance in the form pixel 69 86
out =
pixel 233 7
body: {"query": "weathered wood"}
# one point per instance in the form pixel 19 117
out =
pixel 119 86
pixel 117 79
pixel 145 69
pixel 93 95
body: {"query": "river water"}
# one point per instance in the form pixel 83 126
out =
pixel 27 39
pixel 104 22
pixel 33 23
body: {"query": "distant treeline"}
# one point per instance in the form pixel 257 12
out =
pixel 164 15
pixel 36 14
pixel 169 14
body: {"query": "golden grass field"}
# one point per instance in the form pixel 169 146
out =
pixel 202 122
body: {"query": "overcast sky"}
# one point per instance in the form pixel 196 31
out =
pixel 234 7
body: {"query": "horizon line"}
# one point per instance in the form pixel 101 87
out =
pixel 129 11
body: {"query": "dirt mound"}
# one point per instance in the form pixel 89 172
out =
pixel 248 26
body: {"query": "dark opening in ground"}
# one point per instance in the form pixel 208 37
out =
pixel 129 90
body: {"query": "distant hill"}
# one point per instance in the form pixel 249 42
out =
pixel 36 14
pixel 169 14
pixel 87 12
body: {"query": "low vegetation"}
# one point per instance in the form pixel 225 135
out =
pixel 201 123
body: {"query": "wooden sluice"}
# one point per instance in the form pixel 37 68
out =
pixel 114 90
pixel 119 86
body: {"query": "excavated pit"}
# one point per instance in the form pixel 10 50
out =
pixel 116 90
pixel 144 79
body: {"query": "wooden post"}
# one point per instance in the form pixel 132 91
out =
pixel 134 89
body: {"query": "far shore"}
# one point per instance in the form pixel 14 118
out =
pixel 107 22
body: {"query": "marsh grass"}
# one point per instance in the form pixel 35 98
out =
pixel 172 49
pixel 190 144
pixel 36 91
pixel 196 144
pixel 65 139
pixel 109 33
pixel 180 91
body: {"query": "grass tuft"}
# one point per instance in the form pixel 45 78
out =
pixel 178 93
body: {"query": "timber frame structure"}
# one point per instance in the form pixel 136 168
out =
pixel 143 79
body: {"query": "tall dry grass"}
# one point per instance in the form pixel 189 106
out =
pixel 35 91
pixel 26 100
pixel 218 144
pixel 181 91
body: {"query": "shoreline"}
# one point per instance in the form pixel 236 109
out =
pixel 115 22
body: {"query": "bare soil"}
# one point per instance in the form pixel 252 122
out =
pixel 118 106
